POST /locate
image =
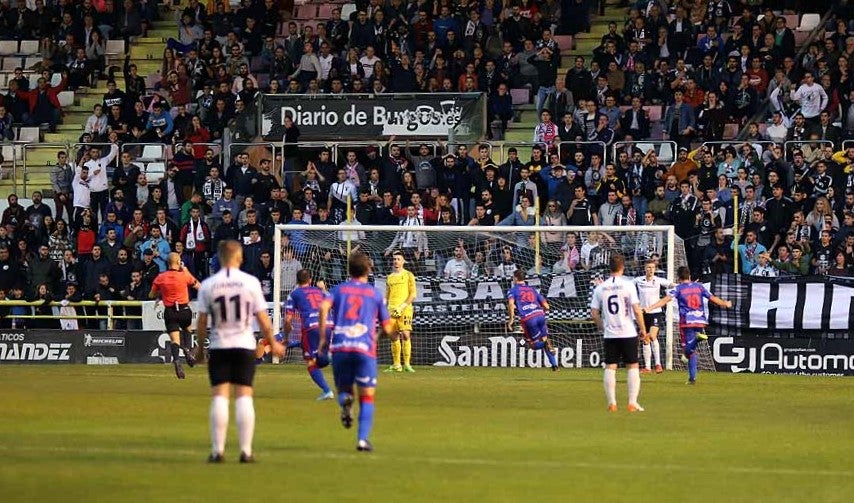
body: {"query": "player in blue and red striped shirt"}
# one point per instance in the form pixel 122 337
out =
pixel 304 301
pixel 357 306
pixel 532 308
pixel 689 296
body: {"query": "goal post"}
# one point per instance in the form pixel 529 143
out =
pixel 463 273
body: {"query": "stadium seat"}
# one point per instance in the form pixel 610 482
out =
pixel 55 79
pixel 115 47
pixel 325 11
pixel 665 153
pixel 152 153
pixel 8 154
pixel 791 20
pixel 11 62
pixel 653 113
pixel 152 80
pixel 29 47
pixel 66 98
pixel 809 22
pixel 520 95
pixel 801 37
pixel 17 153
pixel 563 41
pixel 28 134
pixel 346 10
pixel 645 147
pixel 731 131
pixel 8 47
pixel 31 61
pixel 154 171
pixel 308 11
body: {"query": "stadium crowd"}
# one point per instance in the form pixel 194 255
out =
pixel 703 68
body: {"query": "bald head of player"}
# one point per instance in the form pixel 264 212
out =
pixel 230 254
pixel 173 261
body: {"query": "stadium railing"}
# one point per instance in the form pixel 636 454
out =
pixel 28 165
pixel 110 306
pixel 790 146
pixel 665 149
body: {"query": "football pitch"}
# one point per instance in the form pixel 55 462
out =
pixel 134 433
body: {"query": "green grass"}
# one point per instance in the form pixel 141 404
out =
pixel 135 433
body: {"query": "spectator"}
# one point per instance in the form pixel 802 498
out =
pixel 43 103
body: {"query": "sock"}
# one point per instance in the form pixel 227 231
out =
pixel 647 355
pixel 175 349
pixel 317 376
pixel 550 356
pixel 407 351
pixel 366 416
pixel 692 366
pixel 611 386
pixel 244 413
pixel 691 344
pixel 656 352
pixel 342 397
pixel 634 385
pixel 395 352
pixel 218 423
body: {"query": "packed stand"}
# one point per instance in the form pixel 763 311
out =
pixel 116 220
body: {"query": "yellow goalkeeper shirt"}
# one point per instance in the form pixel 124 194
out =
pixel 399 286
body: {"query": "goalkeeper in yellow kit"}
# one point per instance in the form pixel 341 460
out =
pixel 399 296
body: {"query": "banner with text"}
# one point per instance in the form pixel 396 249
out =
pixel 81 346
pixel 371 116
pixel 805 306
pixel 442 301
pixel 789 325
pixel 797 355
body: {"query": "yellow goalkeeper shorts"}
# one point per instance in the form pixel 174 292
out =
pixel 404 322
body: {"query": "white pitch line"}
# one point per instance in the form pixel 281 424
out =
pixel 275 452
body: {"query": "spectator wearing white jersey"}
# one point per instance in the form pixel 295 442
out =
pixel 811 96
pixel 98 184
pixel 80 186
pixel 460 266
pixel 764 268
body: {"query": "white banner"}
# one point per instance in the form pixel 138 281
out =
pixel 800 306
pixel 152 315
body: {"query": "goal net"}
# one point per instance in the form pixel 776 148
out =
pixel 463 274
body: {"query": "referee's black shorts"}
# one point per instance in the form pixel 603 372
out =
pixel 621 349
pixel 177 317
pixel 233 365
pixel 653 320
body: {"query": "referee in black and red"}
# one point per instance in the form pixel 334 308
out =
pixel 173 286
